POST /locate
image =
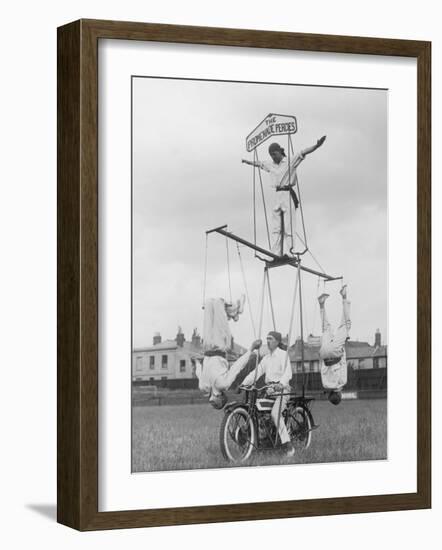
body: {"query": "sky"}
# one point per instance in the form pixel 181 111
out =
pixel 188 141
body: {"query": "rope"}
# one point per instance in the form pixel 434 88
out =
pixel 263 202
pixel 292 316
pixel 228 269
pixel 260 323
pixel 270 299
pixel 302 211
pixel 311 254
pixel 290 202
pixel 247 291
pixel 302 330
pixel 316 305
pixel 254 206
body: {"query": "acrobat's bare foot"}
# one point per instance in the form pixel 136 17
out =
pixel 343 292
pixel 322 298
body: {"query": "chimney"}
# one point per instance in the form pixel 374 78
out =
pixel 377 338
pixel 156 338
pixel 196 339
pixel 180 338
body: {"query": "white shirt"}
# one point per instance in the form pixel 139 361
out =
pixel 279 173
pixel 334 377
pixel 275 368
pixel 215 367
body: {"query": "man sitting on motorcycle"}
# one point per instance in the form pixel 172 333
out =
pixel 277 370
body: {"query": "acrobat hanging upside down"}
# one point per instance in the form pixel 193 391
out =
pixel 333 365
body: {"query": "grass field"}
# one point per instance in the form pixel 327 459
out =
pixel 186 437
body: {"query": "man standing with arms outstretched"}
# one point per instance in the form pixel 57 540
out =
pixel 283 177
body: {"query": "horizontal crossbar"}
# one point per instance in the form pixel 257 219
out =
pixel 274 259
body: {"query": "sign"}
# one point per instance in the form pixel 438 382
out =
pixel 272 125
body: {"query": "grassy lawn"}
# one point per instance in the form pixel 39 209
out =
pixel 186 437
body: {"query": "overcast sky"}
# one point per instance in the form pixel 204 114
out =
pixel 188 142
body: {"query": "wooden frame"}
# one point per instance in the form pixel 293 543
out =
pixel 77 225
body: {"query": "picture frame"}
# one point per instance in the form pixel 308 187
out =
pixel 78 286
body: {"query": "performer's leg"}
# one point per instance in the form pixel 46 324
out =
pixel 342 333
pixel 327 333
pixel 280 228
pixel 224 381
pixel 278 419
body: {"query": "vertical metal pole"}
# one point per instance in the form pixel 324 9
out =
pixel 302 327
pixel 282 233
pixel 254 200
pixel 260 321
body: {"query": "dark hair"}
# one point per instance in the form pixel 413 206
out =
pixel 335 397
pixel 276 147
pixel 218 401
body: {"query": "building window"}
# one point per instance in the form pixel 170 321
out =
pixel 375 363
pixel 182 365
pixel 164 361
pixel 152 362
pixel 139 364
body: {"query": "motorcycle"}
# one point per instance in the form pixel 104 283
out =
pixel 247 426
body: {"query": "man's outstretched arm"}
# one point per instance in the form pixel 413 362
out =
pixel 313 147
pixel 256 163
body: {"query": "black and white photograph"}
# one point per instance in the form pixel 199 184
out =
pixel 259 274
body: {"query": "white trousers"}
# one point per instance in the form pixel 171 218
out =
pixel 332 343
pixel 334 377
pixel 282 206
pixel 225 380
pixel 277 410
pixel 216 331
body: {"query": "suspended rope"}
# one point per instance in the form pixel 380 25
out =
pixel 315 316
pixel 228 269
pixel 289 335
pixel 247 291
pixel 302 330
pixel 311 254
pixel 260 322
pixel 270 299
pixel 263 199
pixel 254 206
pixel 302 212
pixel 292 238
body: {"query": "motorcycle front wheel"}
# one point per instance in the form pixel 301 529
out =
pixel 237 435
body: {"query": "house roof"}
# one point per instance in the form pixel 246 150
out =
pixel 187 346
pixel 353 349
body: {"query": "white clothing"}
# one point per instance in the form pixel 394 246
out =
pixel 334 377
pixel 276 368
pixel 214 374
pixel 216 332
pixel 279 174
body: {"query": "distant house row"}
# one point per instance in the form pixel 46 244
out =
pixel 171 360
pixel 360 355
